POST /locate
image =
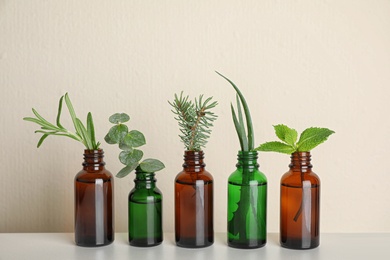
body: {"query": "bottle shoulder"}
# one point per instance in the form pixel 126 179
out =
pixel 192 177
pixel 144 195
pixel 240 175
pixel 295 178
pixel 87 175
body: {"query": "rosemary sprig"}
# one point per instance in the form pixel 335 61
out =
pixel 195 120
pixel 85 135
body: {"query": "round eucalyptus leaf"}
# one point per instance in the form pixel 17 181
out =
pixel 151 165
pixel 108 139
pixel 134 139
pixel 130 157
pixel 116 133
pixel 126 170
pixel 118 118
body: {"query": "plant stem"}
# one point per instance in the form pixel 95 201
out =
pixel 301 206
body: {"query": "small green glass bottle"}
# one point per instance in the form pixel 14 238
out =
pixel 145 211
pixel 247 203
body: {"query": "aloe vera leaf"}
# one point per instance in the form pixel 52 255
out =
pixel 247 113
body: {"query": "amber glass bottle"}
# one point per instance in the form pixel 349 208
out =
pixel 194 203
pixel 94 202
pixel 300 204
pixel 145 211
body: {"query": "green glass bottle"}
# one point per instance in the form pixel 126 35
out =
pixel 247 203
pixel 145 211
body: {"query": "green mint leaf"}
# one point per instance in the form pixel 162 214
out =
pixel 126 170
pixel 276 147
pixel 118 118
pixel 130 157
pixel 312 137
pixel 151 165
pixel 116 133
pixel 286 134
pixel 133 139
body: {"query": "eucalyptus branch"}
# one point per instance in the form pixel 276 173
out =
pixel 194 119
pixel 82 134
pixel 127 142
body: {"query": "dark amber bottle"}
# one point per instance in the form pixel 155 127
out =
pixel 194 203
pixel 300 204
pixel 94 202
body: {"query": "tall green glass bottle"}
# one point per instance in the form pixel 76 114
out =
pixel 247 203
pixel 145 211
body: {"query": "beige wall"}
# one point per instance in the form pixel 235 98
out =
pixel 302 63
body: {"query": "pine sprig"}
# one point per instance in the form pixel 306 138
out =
pixel 308 140
pixel 85 135
pixel 194 119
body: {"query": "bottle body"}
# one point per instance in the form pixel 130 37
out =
pixel 145 212
pixel 194 198
pixel 300 205
pixel 247 204
pixel 94 202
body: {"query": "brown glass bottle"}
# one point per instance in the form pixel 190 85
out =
pixel 300 204
pixel 94 202
pixel 194 203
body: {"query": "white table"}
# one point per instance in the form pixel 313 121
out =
pixel 57 246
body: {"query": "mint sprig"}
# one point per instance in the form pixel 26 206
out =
pixel 85 135
pixel 127 142
pixel 308 140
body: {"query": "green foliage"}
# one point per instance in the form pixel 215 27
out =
pixel 85 135
pixel 309 139
pixel 127 141
pixel 195 120
pixel 246 142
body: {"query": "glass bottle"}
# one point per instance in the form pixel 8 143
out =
pixel 194 203
pixel 145 211
pixel 94 202
pixel 300 204
pixel 247 203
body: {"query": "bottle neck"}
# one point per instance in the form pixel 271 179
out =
pixel 193 161
pixel 300 162
pixel 93 160
pixel 247 159
pixel 144 180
